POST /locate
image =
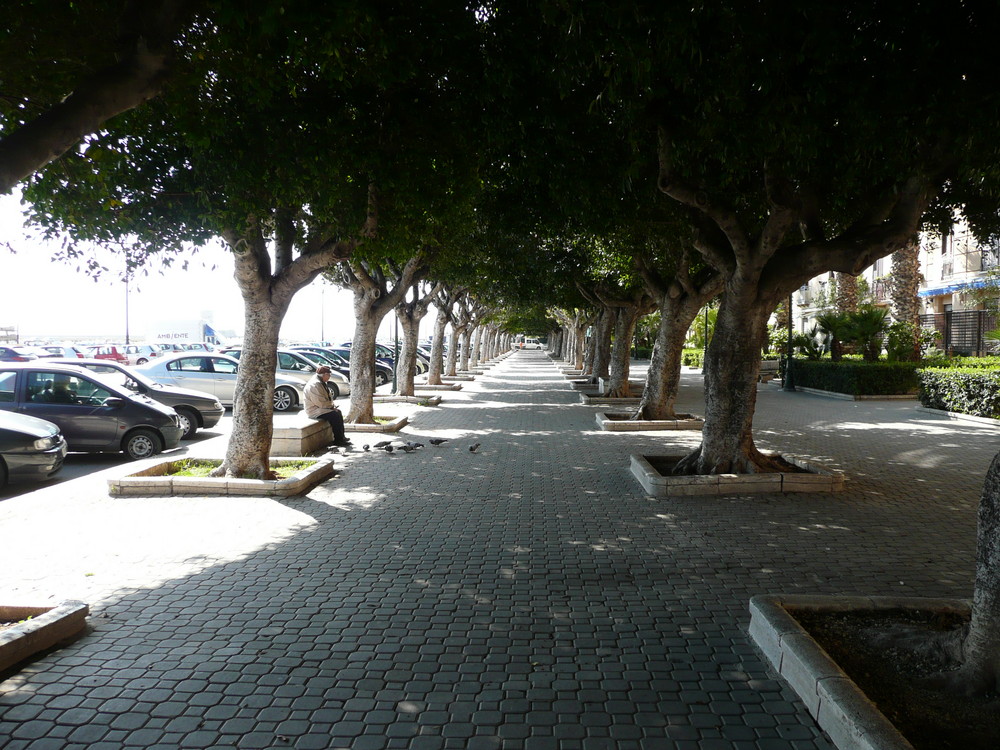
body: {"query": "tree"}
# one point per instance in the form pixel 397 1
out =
pixel 378 288
pixel 332 122
pixel 904 283
pixel 71 67
pixel 410 311
pixel 680 290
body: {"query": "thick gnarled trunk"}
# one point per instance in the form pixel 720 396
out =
pixel 732 365
pixel 601 337
pixel 249 448
pixel 980 670
pixel 367 318
pixel 437 348
pixel 664 377
pixel 625 319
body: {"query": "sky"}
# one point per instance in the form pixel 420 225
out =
pixel 49 300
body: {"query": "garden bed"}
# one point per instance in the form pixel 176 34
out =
pixel 623 422
pixel 27 631
pixel 654 474
pixel 865 688
pixel 162 480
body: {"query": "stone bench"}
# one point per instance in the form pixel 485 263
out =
pixel 298 435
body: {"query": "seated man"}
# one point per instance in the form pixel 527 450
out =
pixel 61 393
pixel 319 405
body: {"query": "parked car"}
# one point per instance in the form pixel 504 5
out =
pixel 330 357
pixel 339 383
pixel 16 354
pixel 108 351
pixel 531 343
pixel 215 374
pixel 293 364
pixel 140 354
pixel 196 409
pixel 65 350
pixel 198 346
pixel 31 449
pixel 94 414
pixel 383 372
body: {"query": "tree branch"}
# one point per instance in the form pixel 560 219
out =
pixel 138 76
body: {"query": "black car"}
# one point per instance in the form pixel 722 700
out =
pixel 196 409
pixel 30 448
pixel 94 414
pixel 383 372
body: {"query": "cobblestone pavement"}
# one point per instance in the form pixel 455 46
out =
pixel 529 595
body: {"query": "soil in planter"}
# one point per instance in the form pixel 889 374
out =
pixel 628 418
pixel 893 677
pixel 664 466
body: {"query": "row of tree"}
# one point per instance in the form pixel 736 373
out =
pixel 517 149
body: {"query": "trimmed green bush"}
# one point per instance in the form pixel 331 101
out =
pixel 968 390
pixel 643 352
pixel 693 358
pixel 858 378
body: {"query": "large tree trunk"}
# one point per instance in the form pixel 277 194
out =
pixel 664 377
pixel 847 292
pixel 477 347
pixel 904 284
pixel 407 365
pixel 451 369
pixel 466 348
pixel 602 345
pixel 732 364
pixel 437 348
pixel 367 318
pixel 410 313
pixel 980 670
pixel 625 319
pixel 249 447
pixel 373 299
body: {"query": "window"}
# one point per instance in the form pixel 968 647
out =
pixel 224 366
pixel 7 381
pixel 60 388
pixel 191 364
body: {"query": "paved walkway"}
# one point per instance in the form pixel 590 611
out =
pixel 526 596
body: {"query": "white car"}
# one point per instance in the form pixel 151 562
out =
pixel 297 366
pixel 216 374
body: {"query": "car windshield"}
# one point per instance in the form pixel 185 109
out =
pixel 316 358
pixel 129 379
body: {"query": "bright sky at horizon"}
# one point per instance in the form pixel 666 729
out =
pixel 47 299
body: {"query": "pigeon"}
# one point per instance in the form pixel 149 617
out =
pixel 388 449
pixel 413 445
pixel 382 444
pixel 473 448
pixel 407 448
pixel 437 441
pixel 365 447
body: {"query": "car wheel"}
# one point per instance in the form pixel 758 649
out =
pixel 284 398
pixel 380 378
pixel 189 422
pixel 3 474
pixel 141 443
pixel 141 361
pixel 334 390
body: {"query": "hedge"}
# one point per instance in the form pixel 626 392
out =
pixel 857 378
pixel 693 358
pixel 968 390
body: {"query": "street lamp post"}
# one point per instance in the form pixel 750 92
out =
pixel 788 383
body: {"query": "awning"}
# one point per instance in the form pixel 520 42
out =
pixel 937 291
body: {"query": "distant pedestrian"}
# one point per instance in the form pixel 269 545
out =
pixel 319 405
